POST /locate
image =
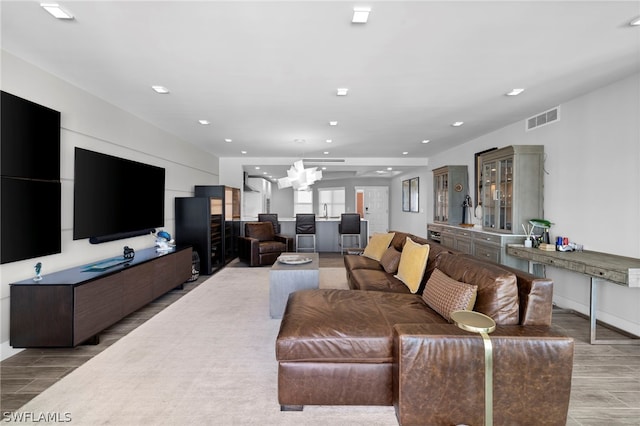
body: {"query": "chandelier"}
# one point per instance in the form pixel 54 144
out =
pixel 300 178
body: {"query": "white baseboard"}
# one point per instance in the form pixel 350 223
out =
pixel 603 317
pixel 7 351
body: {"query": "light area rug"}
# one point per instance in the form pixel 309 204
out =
pixel 207 359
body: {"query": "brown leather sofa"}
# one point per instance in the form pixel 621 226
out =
pixel 260 245
pixel 388 347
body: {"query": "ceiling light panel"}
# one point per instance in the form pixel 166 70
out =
pixel 342 91
pixel 360 15
pixel 635 22
pixel 457 123
pixel 55 10
pixel 515 92
pixel 160 89
pixel 204 122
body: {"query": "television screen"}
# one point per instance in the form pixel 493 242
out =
pixel 115 197
pixel 30 218
pixel 30 135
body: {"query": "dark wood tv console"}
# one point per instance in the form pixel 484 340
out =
pixel 72 306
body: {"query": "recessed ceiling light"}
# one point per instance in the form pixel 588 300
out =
pixel 160 89
pixel 55 10
pixel 228 140
pixel 426 141
pixel 380 171
pixel 204 122
pixel 324 168
pixel 389 168
pixel 264 173
pixel 243 152
pixel 342 91
pixel 360 15
pixel 405 152
pixel 329 141
pixel 457 123
pixel 635 22
pixel 257 167
pixel 326 152
pixel 515 92
pixel 333 123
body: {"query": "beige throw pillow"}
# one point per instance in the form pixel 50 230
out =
pixel 378 243
pixel 445 295
pixel 413 262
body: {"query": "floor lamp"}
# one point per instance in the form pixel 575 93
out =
pixel 480 323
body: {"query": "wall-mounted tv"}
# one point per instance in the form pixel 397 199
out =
pixel 114 197
pixel 30 186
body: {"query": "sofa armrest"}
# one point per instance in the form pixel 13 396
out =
pixel 288 241
pixel 438 375
pixel 249 250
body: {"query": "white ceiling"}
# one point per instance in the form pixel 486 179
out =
pixel 265 73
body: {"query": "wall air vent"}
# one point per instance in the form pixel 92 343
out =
pixel 547 117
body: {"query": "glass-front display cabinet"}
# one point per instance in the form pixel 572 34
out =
pixel 512 187
pixel 449 192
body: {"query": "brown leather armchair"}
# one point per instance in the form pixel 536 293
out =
pixel 260 245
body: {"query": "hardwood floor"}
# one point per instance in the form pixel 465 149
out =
pixel 605 388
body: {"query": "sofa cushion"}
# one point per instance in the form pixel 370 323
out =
pixel 412 264
pixel 355 261
pixel 497 289
pixel 445 295
pixel 329 325
pixel 378 243
pixel 376 280
pixel 390 260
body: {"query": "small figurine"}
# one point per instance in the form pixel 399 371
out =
pixel 38 268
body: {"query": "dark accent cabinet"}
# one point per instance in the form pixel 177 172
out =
pixel 69 307
pixel 210 222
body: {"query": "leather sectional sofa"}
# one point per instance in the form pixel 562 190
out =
pixel 379 344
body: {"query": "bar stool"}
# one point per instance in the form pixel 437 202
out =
pixel 306 227
pixel 349 226
pixel 270 217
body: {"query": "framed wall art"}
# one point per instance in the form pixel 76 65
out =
pixel 411 195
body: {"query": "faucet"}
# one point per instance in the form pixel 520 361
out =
pixel 326 214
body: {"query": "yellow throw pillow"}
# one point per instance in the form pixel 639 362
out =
pixel 445 295
pixel 378 243
pixel 413 262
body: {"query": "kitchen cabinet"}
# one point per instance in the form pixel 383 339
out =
pixel 485 245
pixel 511 187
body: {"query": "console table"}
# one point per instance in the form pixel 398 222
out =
pixel 611 268
pixel 69 307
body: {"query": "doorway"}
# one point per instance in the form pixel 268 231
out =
pixel 372 203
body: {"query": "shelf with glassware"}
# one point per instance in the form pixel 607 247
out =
pixel 512 187
pixel 450 187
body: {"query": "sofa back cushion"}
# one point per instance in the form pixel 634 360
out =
pixel 497 289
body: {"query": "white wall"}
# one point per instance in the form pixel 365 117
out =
pixel 592 187
pixel 89 122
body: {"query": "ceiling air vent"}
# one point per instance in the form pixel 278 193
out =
pixel 543 119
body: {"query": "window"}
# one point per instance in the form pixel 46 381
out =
pixel 302 202
pixel 333 198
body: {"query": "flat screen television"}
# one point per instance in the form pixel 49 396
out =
pixel 115 198
pixel 30 188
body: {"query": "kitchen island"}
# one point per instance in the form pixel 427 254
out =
pixel 327 236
